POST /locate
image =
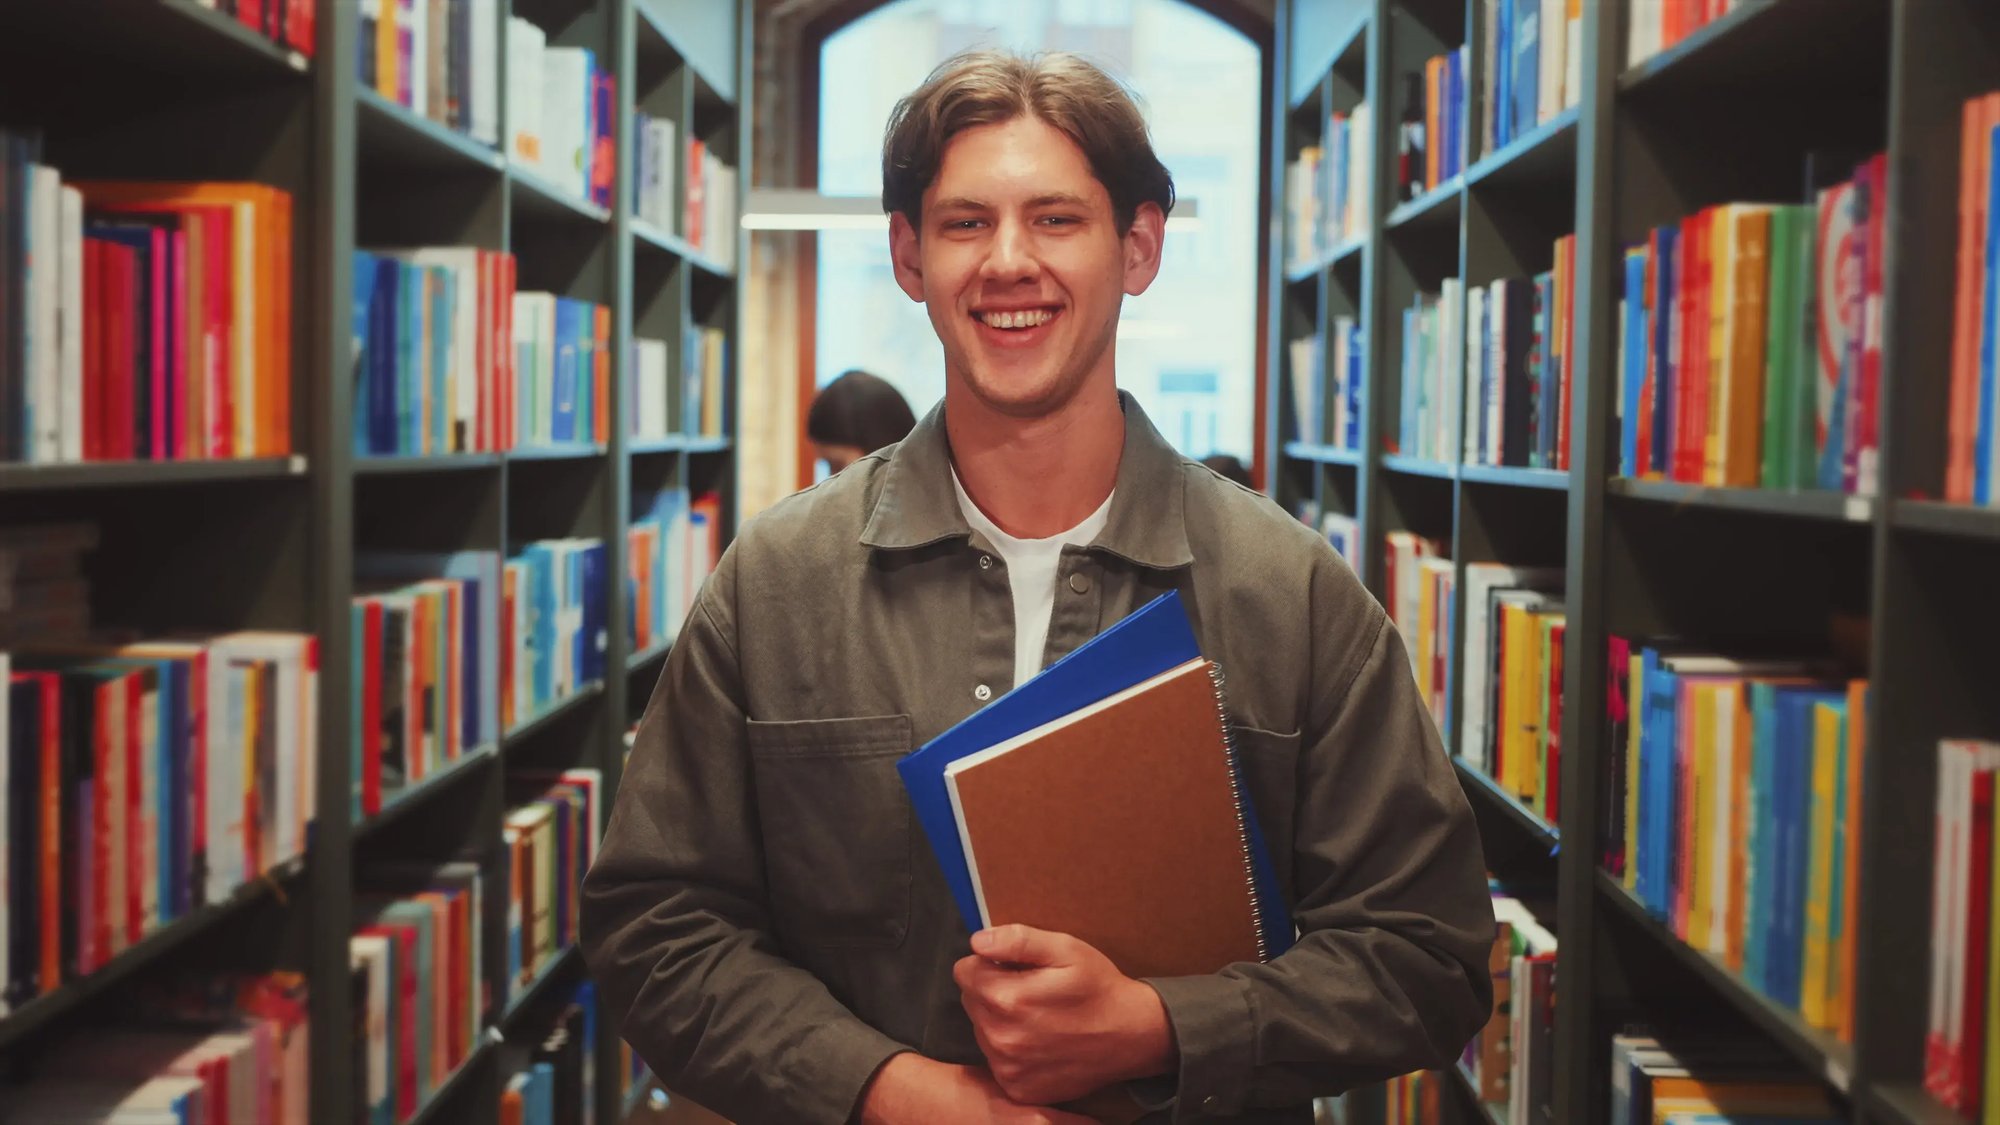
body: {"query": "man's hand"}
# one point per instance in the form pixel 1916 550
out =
pixel 1056 1019
pixel 913 1090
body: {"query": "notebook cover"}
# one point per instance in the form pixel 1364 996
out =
pixel 1121 827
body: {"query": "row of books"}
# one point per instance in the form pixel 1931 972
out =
pixel 1511 1061
pixel 552 625
pixel 550 836
pixel 561 110
pixel 655 190
pixel 709 211
pixel 1750 343
pixel 1417 1098
pixel 190 1051
pixel 1972 464
pixel 1430 142
pixel 144 779
pixel 439 59
pixel 1326 186
pixel 670 550
pixel 1326 391
pixel 1961 1040
pixel 292 24
pixel 1532 54
pixel 1511 704
pixel 1733 807
pixel 426 669
pixel 702 382
pixel 141 320
pixel 1520 367
pixel 1416 580
pixel 434 346
pixel 1432 372
pixel 418 981
pixel 553 1080
pixel 562 358
pixel 1700 1078
pixel 1655 25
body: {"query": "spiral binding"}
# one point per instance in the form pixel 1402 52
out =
pixel 1236 800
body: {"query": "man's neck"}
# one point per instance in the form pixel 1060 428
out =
pixel 1038 477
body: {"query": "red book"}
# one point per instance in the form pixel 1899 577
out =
pixel 1966 1062
pixel 95 294
pixel 99 937
pixel 1868 408
pixel 137 843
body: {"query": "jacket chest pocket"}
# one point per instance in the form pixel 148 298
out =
pixel 1270 762
pixel 836 828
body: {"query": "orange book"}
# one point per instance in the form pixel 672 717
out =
pixel 1433 134
pixel 1742 460
pixel 600 421
pixel 1142 784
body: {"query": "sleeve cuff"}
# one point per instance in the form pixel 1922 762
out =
pixel 1214 1032
pixel 829 1070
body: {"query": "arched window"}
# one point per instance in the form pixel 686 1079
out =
pixel 1187 348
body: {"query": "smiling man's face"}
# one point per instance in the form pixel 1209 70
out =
pixel 1022 266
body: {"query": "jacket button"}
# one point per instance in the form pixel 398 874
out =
pixel 1211 1104
pixel 986 562
pixel 982 693
pixel 1080 583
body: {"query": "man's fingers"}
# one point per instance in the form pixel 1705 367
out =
pixel 1016 944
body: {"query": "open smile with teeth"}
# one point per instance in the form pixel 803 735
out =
pixel 1024 318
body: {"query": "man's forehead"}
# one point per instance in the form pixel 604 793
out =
pixel 1022 161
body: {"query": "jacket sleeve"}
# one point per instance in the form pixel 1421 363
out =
pixel 675 917
pixel 1389 974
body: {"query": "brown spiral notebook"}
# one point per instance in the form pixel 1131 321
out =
pixel 1120 824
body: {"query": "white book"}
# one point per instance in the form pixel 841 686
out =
pixel 1451 373
pixel 485 56
pixel 70 328
pixel 415 15
pixel 527 48
pixel 462 379
pixel 1573 59
pixel 650 366
pixel 44 294
pixel 565 115
pixel 1552 43
pixel 666 148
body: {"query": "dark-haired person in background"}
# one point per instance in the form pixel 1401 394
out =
pixel 855 415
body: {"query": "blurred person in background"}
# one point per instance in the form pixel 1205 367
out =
pixel 855 415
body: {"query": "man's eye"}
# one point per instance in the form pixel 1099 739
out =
pixel 1059 220
pixel 961 224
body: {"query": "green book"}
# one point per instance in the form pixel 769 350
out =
pixel 1801 406
pixel 1783 337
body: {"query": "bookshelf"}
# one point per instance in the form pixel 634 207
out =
pixel 1729 112
pixel 175 89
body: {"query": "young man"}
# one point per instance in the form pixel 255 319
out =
pixel 765 917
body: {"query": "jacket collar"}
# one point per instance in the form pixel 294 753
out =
pixel 1147 526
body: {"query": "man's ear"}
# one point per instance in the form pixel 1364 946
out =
pixel 904 255
pixel 1143 244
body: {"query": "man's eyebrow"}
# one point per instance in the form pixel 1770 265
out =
pixel 1058 199
pixel 959 203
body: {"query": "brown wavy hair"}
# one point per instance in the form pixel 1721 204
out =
pixel 991 87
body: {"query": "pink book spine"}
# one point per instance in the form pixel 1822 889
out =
pixel 157 322
pixel 177 356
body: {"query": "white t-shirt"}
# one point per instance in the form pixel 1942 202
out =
pixel 1031 572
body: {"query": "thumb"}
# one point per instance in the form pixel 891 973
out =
pixel 1016 944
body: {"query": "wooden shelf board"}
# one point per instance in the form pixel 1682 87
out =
pixel 580 697
pixel 1819 1053
pixel 22 477
pixel 1531 822
pixel 1817 505
pixel 400 135
pixel 36 1014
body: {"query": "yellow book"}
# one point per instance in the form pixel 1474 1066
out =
pixel 1741 814
pixel 1634 692
pixel 1819 863
pixel 1721 293
pixel 1525 717
pixel 1742 462
pixel 386 73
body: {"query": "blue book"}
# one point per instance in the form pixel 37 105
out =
pixel 1982 449
pixel 1665 329
pixel 1153 639
pixel 1526 86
